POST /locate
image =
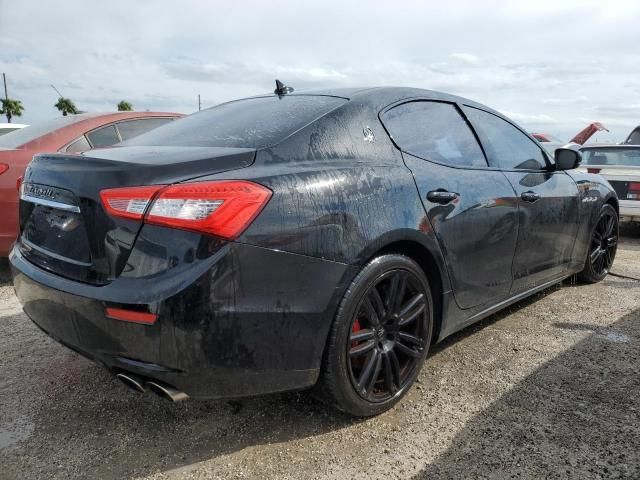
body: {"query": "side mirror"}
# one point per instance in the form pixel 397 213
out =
pixel 567 159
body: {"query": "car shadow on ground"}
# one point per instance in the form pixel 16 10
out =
pixel 574 417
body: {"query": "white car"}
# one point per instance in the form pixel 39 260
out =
pixel 620 165
pixel 10 127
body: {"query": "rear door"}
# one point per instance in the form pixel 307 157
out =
pixel 470 207
pixel 548 200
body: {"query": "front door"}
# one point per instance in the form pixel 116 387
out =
pixel 547 199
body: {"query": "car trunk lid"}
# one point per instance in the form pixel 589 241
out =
pixel 63 225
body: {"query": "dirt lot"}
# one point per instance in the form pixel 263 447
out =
pixel 548 389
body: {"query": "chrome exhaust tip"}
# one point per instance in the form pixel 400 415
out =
pixel 132 381
pixel 167 392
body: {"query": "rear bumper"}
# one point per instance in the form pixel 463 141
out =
pixel 630 210
pixel 239 321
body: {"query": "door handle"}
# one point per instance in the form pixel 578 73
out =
pixel 529 196
pixel 441 196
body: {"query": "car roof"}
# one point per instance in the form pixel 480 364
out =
pixel 609 145
pixel 380 97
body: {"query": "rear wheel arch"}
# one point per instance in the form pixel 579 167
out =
pixel 427 262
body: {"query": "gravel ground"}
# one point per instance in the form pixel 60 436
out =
pixel 549 388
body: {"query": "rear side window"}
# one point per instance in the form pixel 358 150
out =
pixel 434 131
pixel 251 123
pixel 103 137
pixel 133 128
pixel 506 146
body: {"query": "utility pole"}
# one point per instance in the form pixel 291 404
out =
pixel 6 95
pixel 199 104
pixel 59 94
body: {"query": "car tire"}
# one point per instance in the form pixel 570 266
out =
pixel 602 246
pixel 400 339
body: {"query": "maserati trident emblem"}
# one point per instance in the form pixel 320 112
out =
pixel 368 134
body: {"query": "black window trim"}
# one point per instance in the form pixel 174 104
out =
pixel 550 166
pixel 457 106
pixel 545 154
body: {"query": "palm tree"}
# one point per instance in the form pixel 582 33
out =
pixel 125 106
pixel 11 108
pixel 66 106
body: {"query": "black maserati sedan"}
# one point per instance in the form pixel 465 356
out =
pixel 317 240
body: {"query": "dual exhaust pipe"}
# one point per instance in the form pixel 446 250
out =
pixel 140 385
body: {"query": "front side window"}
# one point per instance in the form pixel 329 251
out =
pixel 103 137
pixel 506 146
pixel 434 131
pixel 634 137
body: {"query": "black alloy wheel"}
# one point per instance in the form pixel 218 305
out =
pixel 603 246
pixel 388 335
pixel 380 338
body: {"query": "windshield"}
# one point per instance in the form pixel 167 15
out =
pixel 250 123
pixel 5 130
pixel 25 135
pixel 611 156
pixel 634 137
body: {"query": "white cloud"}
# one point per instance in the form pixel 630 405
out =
pixel 529 119
pixel 466 58
pixel 554 63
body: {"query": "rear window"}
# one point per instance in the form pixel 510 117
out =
pixel 133 128
pixel 251 123
pixel 611 156
pixel 27 134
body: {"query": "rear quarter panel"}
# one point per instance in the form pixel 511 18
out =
pixel 341 191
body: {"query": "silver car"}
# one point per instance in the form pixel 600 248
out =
pixel 620 165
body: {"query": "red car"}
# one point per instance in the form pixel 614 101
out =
pixel 73 133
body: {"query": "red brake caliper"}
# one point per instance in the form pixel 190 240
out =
pixel 355 329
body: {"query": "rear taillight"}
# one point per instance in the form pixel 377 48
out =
pixel 634 191
pixel 222 208
pixel 3 168
pixel 593 170
pixel 129 202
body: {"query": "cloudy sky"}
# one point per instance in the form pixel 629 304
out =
pixel 552 66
